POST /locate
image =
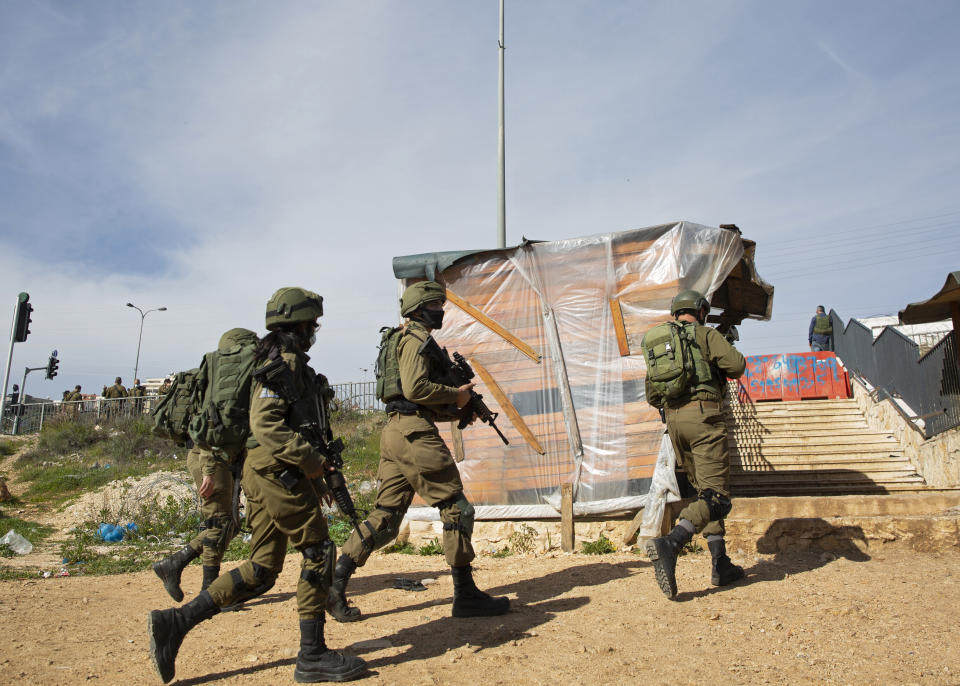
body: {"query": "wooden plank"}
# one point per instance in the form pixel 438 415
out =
pixel 566 518
pixel 457 435
pixel 508 407
pixel 493 326
pixel 618 327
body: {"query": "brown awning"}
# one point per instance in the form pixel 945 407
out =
pixel 936 308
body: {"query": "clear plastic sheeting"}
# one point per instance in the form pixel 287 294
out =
pixel 663 489
pixel 557 326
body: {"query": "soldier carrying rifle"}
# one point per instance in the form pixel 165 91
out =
pixel 415 385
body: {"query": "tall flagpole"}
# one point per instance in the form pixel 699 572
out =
pixel 501 190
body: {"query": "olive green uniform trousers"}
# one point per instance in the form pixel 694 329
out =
pixel 218 527
pixel 699 436
pixel 275 516
pixel 414 459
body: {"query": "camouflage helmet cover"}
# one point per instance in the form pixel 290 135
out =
pixel 688 300
pixel 293 305
pixel 419 293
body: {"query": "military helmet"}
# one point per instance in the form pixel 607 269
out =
pixel 688 300
pixel 292 306
pixel 419 293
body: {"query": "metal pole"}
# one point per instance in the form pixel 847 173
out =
pixel 136 365
pixel 6 370
pixel 501 189
pixel 41 416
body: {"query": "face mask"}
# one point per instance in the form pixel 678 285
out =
pixel 313 339
pixel 432 318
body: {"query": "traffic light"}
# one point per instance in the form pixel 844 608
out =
pixel 52 365
pixel 22 320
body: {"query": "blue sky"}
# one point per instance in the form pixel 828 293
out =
pixel 200 155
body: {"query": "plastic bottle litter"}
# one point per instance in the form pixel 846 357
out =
pixel 17 543
pixel 110 533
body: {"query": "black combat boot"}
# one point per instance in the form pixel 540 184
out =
pixel 210 574
pixel 470 601
pixel 167 628
pixel 337 604
pixel 663 552
pixel 316 662
pixel 170 568
pixel 724 571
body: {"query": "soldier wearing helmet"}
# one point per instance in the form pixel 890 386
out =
pixel 415 460
pixel 282 504
pixel 698 433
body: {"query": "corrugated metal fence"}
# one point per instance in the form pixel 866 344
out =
pixel 928 382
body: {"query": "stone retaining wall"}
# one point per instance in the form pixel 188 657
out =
pixel 937 460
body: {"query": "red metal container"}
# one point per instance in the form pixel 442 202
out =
pixel 795 376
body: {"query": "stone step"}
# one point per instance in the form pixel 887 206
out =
pixel 818 424
pixel 876 465
pixel 813 451
pixel 781 438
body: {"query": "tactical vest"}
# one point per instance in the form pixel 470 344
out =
pixel 222 422
pixel 171 416
pixel 822 326
pixel 676 366
pixel 387 368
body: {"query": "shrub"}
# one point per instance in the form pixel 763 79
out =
pixel 434 547
pixel 601 546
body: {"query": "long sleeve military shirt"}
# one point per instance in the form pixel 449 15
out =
pixel 273 442
pixel 416 372
pixel 718 353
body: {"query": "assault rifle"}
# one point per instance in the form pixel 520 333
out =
pixel 307 416
pixel 458 372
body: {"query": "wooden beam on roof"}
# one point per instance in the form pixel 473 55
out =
pixel 508 407
pixel 619 327
pixel 494 326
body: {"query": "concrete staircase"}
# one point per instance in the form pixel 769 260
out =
pixel 813 447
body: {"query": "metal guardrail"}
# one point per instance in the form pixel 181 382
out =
pixel 928 382
pixel 27 419
pixel 359 396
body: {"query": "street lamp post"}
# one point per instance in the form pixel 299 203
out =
pixel 143 315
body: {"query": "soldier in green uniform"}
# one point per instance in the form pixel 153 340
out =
pixel 115 393
pixel 414 459
pixel 279 474
pixel 213 473
pixel 698 433
pixel 164 387
pixel 74 397
pixel 214 480
pixel 137 392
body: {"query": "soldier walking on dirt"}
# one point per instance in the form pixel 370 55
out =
pixel 414 459
pixel 698 432
pixel 279 474
pixel 213 474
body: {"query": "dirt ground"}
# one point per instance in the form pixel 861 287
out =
pixel 884 616
pixel 889 617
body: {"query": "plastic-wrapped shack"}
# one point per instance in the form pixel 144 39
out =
pixel 553 331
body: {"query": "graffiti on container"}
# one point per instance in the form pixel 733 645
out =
pixel 794 376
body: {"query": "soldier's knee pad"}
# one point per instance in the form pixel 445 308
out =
pixel 718 504
pixel 457 514
pixel 319 560
pixel 263 580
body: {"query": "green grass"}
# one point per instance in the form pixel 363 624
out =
pixel 16 573
pixel 601 546
pixel 503 552
pixel 405 548
pixel 72 457
pixel 31 531
pixel 434 547
pixel 8 447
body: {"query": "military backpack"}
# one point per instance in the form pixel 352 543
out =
pixel 822 326
pixel 676 366
pixel 387 368
pixel 171 416
pixel 221 422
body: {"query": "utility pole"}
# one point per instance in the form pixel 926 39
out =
pixel 19 330
pixel 143 315
pixel 501 189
